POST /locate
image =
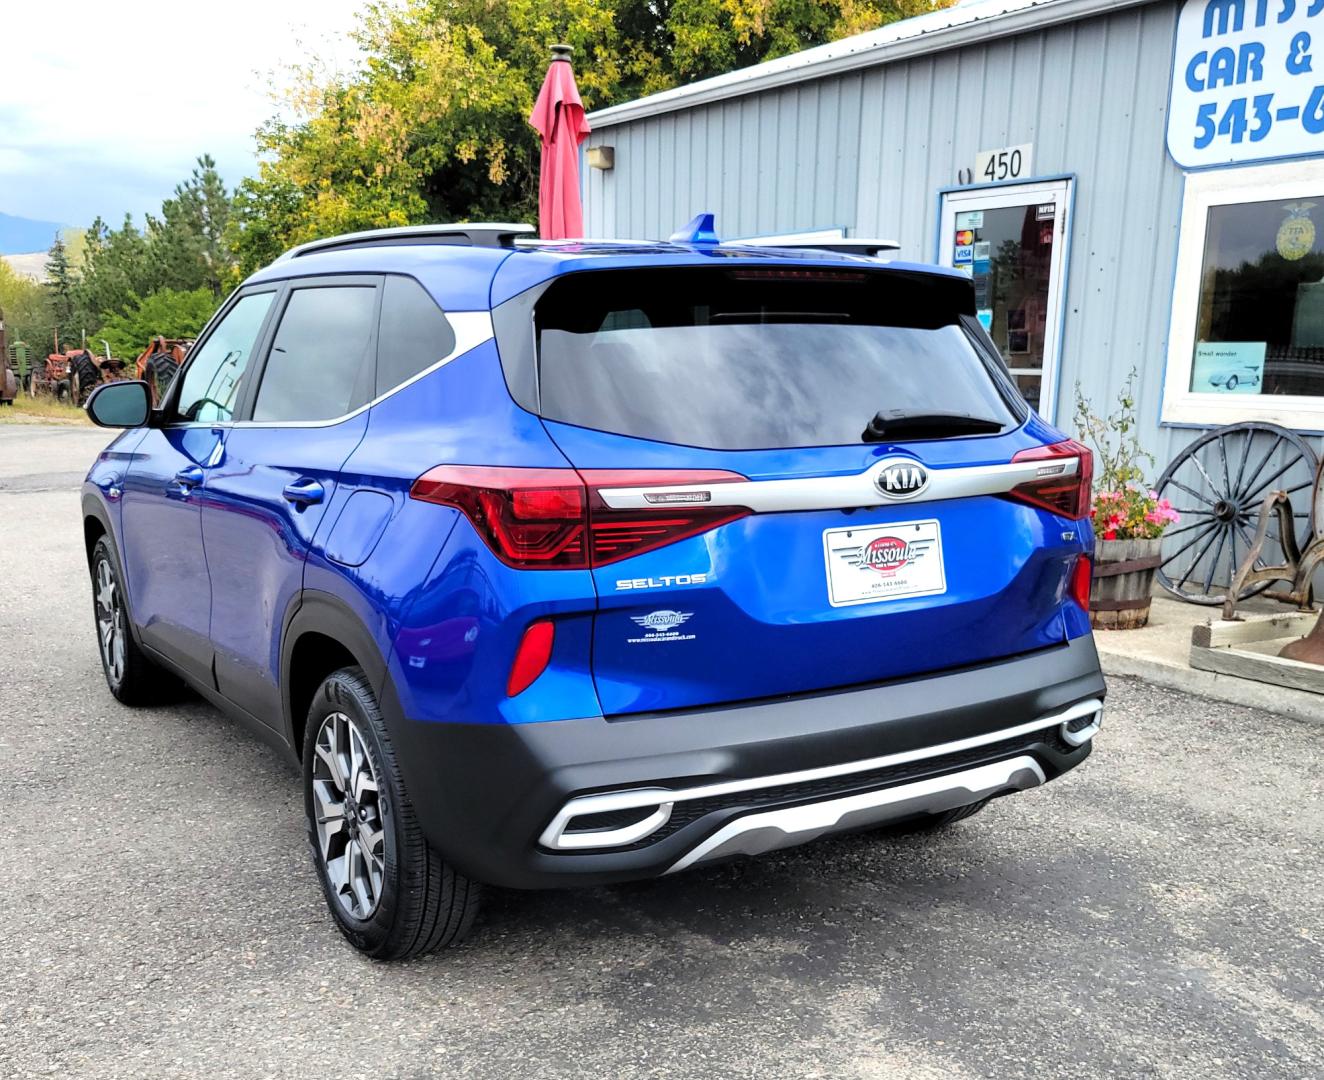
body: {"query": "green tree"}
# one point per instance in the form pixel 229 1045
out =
pixel 184 248
pixel 117 267
pixel 189 242
pixel 433 123
pixel 169 312
pixel 27 308
pixel 60 285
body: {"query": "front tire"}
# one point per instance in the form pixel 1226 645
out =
pixel 131 676
pixel 391 895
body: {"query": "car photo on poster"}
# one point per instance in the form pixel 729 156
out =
pixel 1231 378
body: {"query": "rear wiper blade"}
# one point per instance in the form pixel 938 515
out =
pixel 891 424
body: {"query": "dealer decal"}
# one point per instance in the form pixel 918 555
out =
pixel 661 626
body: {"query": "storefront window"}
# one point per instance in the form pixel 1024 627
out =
pixel 1260 326
pixel 1246 337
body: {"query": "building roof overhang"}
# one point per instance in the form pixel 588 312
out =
pixel 951 28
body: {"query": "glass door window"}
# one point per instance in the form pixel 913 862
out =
pixel 1010 241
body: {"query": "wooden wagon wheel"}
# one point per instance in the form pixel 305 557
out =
pixel 1217 484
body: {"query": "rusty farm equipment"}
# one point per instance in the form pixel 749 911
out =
pixel 159 362
pixel 9 380
pixel 71 376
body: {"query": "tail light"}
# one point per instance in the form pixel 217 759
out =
pixel 535 650
pixel 1054 488
pixel 556 519
pixel 1081 575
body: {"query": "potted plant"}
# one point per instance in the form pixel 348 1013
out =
pixel 1128 516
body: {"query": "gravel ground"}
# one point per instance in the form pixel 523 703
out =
pixel 1154 913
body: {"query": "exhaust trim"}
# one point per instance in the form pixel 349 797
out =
pixel 558 836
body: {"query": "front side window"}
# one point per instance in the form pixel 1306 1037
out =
pixel 318 366
pixel 211 384
pixel 1260 324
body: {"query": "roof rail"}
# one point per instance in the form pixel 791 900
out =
pixel 474 233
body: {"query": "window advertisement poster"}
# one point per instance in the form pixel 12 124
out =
pixel 1228 367
pixel 1246 82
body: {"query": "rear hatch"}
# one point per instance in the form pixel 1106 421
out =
pixel 800 479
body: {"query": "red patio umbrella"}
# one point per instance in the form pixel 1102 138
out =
pixel 558 114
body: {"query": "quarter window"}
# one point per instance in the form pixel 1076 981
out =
pixel 414 333
pixel 211 384
pixel 318 366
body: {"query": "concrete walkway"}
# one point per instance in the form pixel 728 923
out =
pixel 1160 652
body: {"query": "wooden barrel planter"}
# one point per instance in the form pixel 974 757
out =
pixel 1123 583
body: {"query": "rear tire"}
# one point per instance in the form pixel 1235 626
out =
pixel 390 894
pixel 131 676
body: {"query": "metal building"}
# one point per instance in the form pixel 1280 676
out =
pixel 1127 183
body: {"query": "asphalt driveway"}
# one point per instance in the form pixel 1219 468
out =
pixel 1155 913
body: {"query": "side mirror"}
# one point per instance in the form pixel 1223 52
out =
pixel 120 404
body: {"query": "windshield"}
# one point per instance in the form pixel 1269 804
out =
pixel 753 359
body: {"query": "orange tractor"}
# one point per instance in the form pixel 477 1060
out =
pixel 157 364
pixel 70 376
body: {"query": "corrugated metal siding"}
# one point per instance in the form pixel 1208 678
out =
pixel 765 163
pixel 871 150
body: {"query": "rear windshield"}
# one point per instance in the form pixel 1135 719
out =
pixel 757 359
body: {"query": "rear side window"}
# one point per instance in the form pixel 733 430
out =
pixel 756 358
pixel 414 333
pixel 318 367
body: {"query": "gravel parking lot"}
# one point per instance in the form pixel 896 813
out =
pixel 1155 913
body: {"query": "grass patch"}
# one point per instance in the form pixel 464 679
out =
pixel 42 409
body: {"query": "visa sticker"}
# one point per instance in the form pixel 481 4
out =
pixel 963 253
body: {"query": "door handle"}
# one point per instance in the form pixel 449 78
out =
pixel 189 478
pixel 304 492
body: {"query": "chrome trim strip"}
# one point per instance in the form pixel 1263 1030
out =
pixel 851 490
pixel 638 797
pixel 472 328
pixel 768 830
pixel 556 838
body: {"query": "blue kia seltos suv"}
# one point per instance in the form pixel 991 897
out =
pixel 567 563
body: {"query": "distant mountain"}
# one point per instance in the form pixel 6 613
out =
pixel 29 265
pixel 20 235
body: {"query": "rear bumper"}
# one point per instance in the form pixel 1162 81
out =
pixel 508 804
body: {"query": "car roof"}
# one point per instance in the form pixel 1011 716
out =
pixel 463 277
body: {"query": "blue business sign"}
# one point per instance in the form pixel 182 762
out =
pixel 1247 81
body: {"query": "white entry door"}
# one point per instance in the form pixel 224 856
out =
pixel 1011 241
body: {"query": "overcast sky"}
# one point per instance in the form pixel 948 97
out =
pixel 180 78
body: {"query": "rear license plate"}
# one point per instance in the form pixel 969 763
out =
pixel 883 562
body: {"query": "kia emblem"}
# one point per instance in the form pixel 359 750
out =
pixel 902 479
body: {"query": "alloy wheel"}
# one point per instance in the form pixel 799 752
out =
pixel 110 621
pixel 347 808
